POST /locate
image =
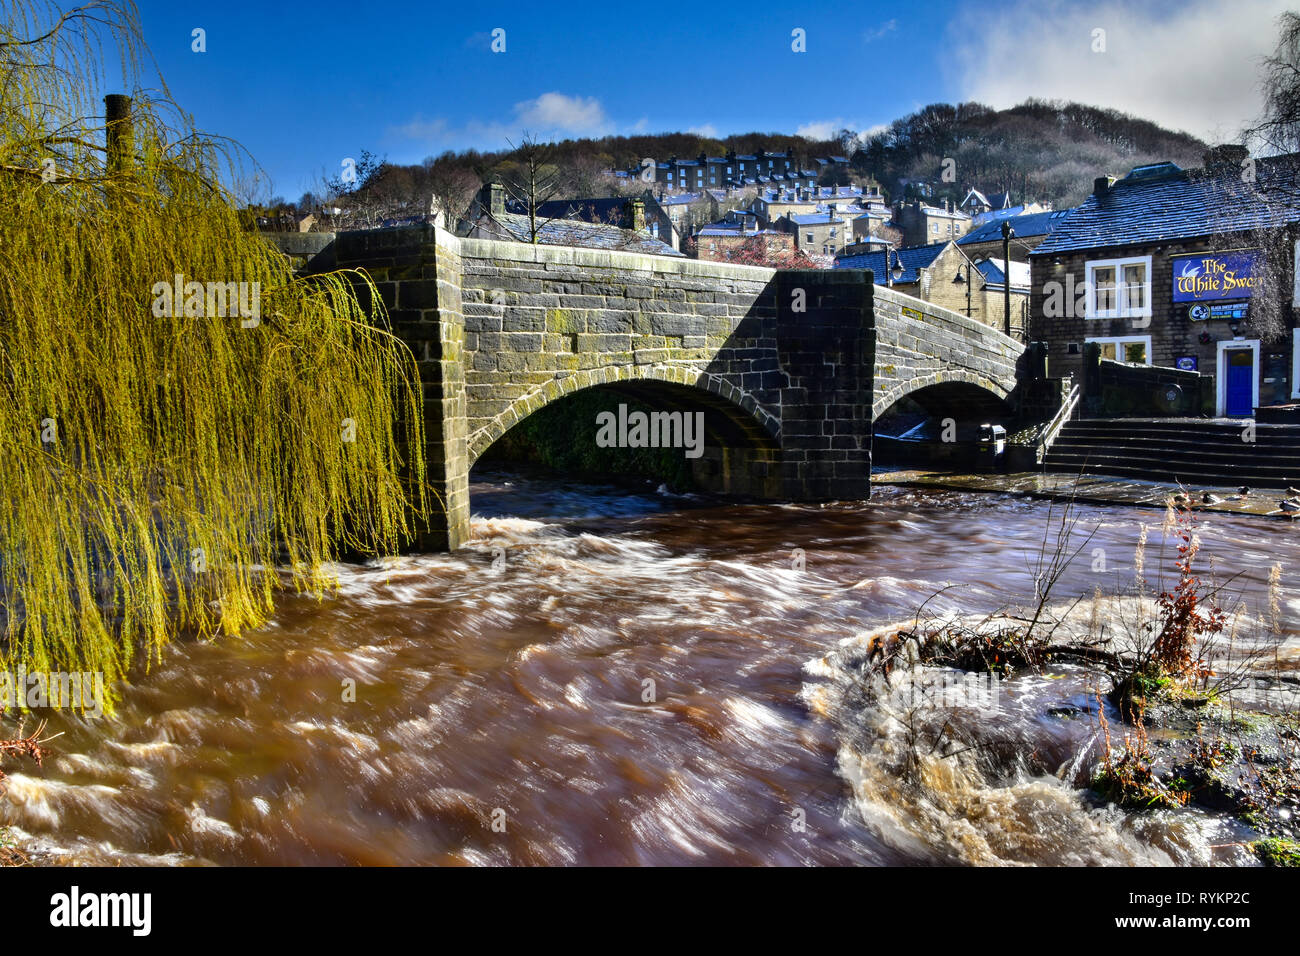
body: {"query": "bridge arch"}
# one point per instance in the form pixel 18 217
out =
pixel 947 391
pixel 741 416
pixel 796 363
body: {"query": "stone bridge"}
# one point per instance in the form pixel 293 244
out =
pixel 790 367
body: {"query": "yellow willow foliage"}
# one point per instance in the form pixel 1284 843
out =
pixel 167 473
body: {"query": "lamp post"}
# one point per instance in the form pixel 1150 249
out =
pixel 1007 233
pixel 968 281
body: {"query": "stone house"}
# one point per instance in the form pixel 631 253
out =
pixel 1189 269
pixel 975 203
pixel 931 272
pixel 923 224
pixel 649 216
pixel 724 241
pixel 489 217
pixel 823 233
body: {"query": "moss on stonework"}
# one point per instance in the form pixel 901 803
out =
pixel 563 321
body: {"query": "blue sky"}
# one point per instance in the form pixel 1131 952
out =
pixel 302 87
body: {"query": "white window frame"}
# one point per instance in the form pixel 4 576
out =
pixel 1119 341
pixel 1120 311
pixel 1221 379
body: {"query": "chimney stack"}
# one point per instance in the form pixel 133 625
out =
pixel 1224 158
pixel 495 200
pixel 634 215
pixel 1102 184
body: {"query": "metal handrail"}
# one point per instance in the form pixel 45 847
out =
pixel 1048 433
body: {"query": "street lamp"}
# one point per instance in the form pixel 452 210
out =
pixel 968 282
pixel 896 272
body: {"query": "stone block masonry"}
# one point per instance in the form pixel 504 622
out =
pixel 786 365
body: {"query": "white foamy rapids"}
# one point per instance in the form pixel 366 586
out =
pixel 35 803
pixel 948 783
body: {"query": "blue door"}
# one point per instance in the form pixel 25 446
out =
pixel 1240 372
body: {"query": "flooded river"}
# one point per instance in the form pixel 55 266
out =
pixel 606 676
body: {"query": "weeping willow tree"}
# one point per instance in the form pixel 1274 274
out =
pixel 168 462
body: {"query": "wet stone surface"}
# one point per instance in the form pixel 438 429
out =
pixel 1091 489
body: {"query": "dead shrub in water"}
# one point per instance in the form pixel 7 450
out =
pixel 1188 618
pixel 27 747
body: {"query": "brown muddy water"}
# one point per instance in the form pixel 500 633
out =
pixel 504 712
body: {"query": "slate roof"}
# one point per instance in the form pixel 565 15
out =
pixel 1163 203
pixel 1034 224
pixel 571 232
pixel 912 258
pixel 997 215
pixel 991 269
pixel 815 218
pixel 942 213
pixel 735 230
pixel 608 211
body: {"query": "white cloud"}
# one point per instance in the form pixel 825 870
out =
pixel 557 113
pixel 1193 66
pixel 707 130
pixel 886 28
pixel 549 116
pixel 820 129
pixel 828 129
pixel 421 128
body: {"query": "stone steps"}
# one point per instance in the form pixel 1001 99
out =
pixel 1186 451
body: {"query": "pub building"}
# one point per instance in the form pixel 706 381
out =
pixel 1191 269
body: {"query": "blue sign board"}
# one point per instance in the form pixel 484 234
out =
pixel 1222 311
pixel 1214 276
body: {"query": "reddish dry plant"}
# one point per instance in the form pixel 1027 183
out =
pixel 21 746
pixel 1186 615
pixel 1131 780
